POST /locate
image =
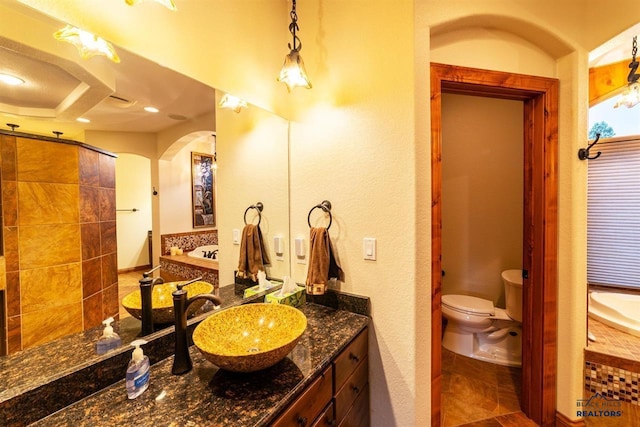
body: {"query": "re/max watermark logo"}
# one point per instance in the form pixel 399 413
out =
pixel 598 405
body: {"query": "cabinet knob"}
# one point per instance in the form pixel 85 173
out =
pixel 355 388
pixel 330 422
pixel 354 357
pixel 302 421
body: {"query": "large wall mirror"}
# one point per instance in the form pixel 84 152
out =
pixel 251 146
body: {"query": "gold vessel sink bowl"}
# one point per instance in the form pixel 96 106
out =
pixel 162 300
pixel 249 337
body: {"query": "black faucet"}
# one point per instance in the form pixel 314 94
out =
pixel 146 288
pixel 182 360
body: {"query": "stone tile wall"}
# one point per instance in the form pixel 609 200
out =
pixel 58 209
pixel 187 241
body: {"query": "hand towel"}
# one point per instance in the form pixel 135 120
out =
pixel 322 263
pixel 253 256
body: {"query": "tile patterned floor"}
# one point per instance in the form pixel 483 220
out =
pixel 127 282
pixel 480 394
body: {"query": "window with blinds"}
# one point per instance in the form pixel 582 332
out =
pixel 613 214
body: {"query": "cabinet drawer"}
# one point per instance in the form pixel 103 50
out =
pixel 327 418
pixel 350 358
pixel 352 388
pixel 306 408
pixel 358 416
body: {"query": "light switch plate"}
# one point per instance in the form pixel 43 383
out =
pixel 301 252
pixel 236 236
pixel 369 248
pixel 278 247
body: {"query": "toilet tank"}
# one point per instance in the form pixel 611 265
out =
pixel 512 280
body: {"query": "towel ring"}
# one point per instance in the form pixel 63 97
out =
pixel 258 206
pixel 326 207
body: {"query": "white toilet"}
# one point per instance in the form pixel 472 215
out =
pixel 477 329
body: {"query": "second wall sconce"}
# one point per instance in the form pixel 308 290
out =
pixel 232 103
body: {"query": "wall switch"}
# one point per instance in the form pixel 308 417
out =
pixel 369 248
pixel 236 236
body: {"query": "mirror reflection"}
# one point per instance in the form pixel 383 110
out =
pixel 150 203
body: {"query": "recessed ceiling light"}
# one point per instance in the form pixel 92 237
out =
pixel 83 120
pixel 151 109
pixel 10 80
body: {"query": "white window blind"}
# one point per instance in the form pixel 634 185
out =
pixel 613 214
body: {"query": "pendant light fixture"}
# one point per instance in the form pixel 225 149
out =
pixel 88 44
pixel 631 95
pixel 293 73
pixel 169 4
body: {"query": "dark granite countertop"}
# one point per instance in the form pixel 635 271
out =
pixel 61 372
pixel 213 397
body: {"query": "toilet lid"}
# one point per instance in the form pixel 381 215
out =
pixel 467 303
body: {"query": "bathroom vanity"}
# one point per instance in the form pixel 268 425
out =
pixel 324 378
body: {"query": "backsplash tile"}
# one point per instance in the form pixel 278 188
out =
pixel 187 241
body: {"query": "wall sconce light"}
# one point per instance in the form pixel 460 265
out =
pixel 214 150
pixel 631 95
pixel 232 103
pixel 293 72
pixel 169 4
pixel 88 44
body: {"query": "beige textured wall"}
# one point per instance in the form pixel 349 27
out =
pixel 133 191
pixel 482 196
pixel 361 138
pixel 176 185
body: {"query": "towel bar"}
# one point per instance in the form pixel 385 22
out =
pixel 258 206
pixel 326 207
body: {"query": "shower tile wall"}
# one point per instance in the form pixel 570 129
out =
pixel 58 209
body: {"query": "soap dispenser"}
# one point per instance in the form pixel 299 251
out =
pixel 109 339
pixel 137 379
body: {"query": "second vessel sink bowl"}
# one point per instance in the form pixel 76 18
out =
pixel 162 301
pixel 249 337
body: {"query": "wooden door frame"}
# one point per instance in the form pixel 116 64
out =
pixel 539 346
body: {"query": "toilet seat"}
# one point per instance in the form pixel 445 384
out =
pixel 469 305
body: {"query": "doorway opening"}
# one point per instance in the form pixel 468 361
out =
pixel 539 259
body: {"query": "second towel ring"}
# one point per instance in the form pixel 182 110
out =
pixel 258 206
pixel 326 207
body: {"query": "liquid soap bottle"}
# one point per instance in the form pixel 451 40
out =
pixel 109 339
pixel 137 379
